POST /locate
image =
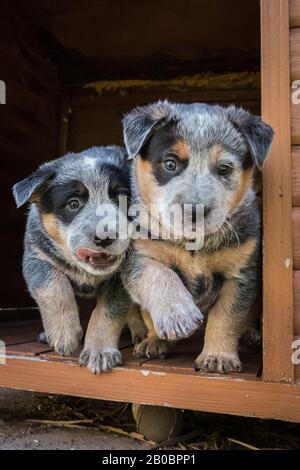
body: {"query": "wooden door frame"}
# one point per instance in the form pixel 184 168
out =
pixel 277 195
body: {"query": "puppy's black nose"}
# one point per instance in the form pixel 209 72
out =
pixel 103 243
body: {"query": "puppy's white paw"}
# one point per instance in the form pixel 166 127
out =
pixel 223 363
pixel 65 341
pixel 178 319
pixel 153 347
pixel 98 360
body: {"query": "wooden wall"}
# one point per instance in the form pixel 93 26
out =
pixel 28 136
pixel 94 111
pixel 295 123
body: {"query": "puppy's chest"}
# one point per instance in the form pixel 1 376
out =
pixel 86 290
pixel 202 273
pixel 85 285
pixel 204 287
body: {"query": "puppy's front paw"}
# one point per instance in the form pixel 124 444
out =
pixel 153 347
pixel 223 363
pixel 177 320
pixel 101 359
pixel 65 341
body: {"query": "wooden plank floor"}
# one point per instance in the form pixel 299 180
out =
pixel 172 382
pixel 20 339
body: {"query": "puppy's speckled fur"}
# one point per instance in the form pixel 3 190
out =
pixel 219 281
pixel 54 233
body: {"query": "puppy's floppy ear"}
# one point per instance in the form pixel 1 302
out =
pixel 258 134
pixel 34 184
pixel 139 124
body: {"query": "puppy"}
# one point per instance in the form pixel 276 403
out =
pixel 64 255
pixel 203 155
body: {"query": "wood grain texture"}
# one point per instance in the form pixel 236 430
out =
pixel 294 13
pixel 296 356
pixel 294 53
pixel 295 117
pixel 297 303
pixel 295 75
pixel 296 175
pixel 296 237
pixel 140 385
pixel 277 195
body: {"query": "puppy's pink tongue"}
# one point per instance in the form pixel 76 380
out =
pixel 94 257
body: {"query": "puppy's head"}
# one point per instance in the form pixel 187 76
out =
pixel 195 154
pixel 77 197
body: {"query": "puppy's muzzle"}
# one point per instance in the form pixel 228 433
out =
pixel 96 258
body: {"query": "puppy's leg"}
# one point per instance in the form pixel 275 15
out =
pixel 159 290
pixel 136 324
pixel 54 295
pixel 101 351
pixel 152 346
pixel 227 321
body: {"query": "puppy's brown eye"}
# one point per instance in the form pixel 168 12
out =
pixel 170 164
pixel 224 170
pixel 74 204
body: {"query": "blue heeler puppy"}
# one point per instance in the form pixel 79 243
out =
pixel 197 154
pixel 64 257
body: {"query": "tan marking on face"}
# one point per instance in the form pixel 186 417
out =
pixel 51 226
pixel 145 181
pixel 180 148
pixel 215 153
pixel 36 196
pixel 243 186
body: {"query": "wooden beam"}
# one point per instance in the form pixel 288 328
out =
pixel 277 219
pixel 252 398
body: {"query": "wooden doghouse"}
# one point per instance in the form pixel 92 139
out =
pixel 71 70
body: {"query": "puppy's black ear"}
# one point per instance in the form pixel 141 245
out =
pixel 139 124
pixel 35 184
pixel 258 134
